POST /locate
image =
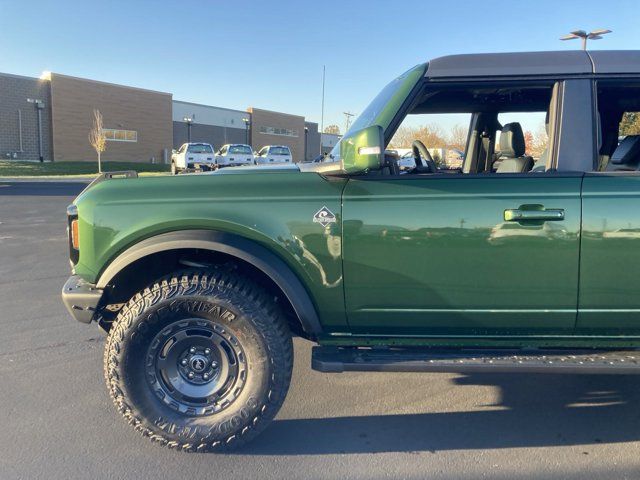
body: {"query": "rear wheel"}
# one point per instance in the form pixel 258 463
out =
pixel 199 361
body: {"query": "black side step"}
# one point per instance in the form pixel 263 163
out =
pixel 336 360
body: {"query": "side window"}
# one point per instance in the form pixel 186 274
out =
pixel 444 135
pixel 262 151
pixel 618 126
pixel 223 150
pixel 491 128
pixel 182 148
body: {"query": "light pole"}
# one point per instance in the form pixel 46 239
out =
pixel 592 35
pixel 348 116
pixel 306 134
pixel 246 130
pixel 39 107
pixel 189 121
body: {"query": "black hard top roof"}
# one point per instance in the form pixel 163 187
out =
pixel 573 62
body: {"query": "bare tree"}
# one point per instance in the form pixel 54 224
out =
pixel 97 138
pixel 431 135
pixel 333 129
pixel 457 137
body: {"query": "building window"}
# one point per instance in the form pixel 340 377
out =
pixel 285 132
pixel 114 135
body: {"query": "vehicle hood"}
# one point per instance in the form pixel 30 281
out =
pixel 269 205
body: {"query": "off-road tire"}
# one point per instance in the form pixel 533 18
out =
pixel 229 303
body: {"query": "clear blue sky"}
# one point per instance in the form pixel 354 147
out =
pixel 269 54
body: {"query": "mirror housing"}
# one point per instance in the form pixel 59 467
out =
pixel 362 150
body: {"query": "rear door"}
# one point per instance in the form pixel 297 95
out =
pixel 609 302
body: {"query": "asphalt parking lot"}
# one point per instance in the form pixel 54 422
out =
pixel 58 422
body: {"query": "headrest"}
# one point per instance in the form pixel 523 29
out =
pixel 512 140
pixel 627 152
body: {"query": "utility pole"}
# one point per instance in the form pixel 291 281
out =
pixel 348 116
pixel 592 35
pixel 322 109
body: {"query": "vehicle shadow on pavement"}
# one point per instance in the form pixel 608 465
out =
pixel 534 411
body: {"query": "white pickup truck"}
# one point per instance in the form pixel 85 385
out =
pixel 193 156
pixel 234 154
pixel 273 154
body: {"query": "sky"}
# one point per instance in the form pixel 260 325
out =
pixel 270 54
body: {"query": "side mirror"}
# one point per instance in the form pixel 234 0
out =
pixel 363 150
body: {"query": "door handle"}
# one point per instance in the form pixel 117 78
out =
pixel 522 214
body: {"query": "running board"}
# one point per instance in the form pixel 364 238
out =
pixel 337 360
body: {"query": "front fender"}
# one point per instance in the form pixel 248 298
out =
pixel 236 246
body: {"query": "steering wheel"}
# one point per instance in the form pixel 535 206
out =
pixel 424 160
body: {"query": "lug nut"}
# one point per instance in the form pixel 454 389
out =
pixel 191 375
pixel 207 351
pixel 192 350
pixel 205 376
pixel 214 364
pixel 184 361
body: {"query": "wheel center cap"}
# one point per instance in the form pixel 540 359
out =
pixel 198 363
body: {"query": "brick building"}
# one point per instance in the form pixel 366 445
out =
pixel 50 119
pixel 22 135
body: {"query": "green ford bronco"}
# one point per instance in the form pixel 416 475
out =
pixel 524 257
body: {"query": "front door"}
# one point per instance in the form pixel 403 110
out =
pixel 462 254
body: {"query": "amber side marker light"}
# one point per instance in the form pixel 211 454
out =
pixel 75 239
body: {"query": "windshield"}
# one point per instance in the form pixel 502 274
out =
pixel 279 151
pixel 200 148
pixel 240 149
pixel 393 95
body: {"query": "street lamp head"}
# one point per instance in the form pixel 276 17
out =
pixel 582 34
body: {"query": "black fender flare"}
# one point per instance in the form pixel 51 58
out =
pixel 255 254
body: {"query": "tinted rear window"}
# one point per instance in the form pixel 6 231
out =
pixel 240 149
pixel 200 148
pixel 279 151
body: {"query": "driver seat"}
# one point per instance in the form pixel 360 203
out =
pixel 512 148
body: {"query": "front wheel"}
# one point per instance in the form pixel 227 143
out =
pixel 199 361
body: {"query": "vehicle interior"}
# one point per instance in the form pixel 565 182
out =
pixel 491 147
pixel 619 127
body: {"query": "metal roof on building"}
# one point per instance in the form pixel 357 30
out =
pixel 573 62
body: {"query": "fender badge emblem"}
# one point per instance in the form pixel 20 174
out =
pixel 324 217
